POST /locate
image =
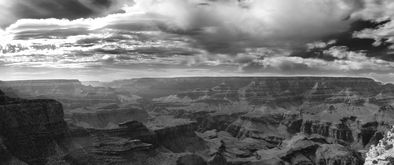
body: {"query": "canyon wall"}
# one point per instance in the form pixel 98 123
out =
pixel 295 120
pixel 29 129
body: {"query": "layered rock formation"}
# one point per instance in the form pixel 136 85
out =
pixel 276 109
pixel 180 138
pixel 261 120
pixel 30 128
pixel 337 154
pixel 134 143
pixel 106 116
pixel 267 88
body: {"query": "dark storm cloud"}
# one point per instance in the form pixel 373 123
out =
pixel 366 44
pixel 313 53
pixel 230 26
pixel 347 39
pixel 382 36
pixel 68 9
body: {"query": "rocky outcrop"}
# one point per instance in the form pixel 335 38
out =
pixel 191 159
pixel 302 149
pixel 348 132
pixel 164 141
pixel 134 143
pixel 128 130
pixel 208 121
pixel 332 154
pixel 118 146
pixel 109 150
pixel 107 117
pixel 272 128
pixel 383 152
pixel 30 128
pixel 131 130
pixel 217 160
pixel 180 138
pixel 337 131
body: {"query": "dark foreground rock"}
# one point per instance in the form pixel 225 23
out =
pixel 30 128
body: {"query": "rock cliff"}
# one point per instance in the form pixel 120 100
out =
pixel 30 128
pixel 259 88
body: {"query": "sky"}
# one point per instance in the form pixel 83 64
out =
pixel 104 40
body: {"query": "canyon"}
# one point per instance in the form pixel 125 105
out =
pixel 194 120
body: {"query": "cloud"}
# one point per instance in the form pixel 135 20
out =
pixel 221 26
pixel 381 35
pixel 69 9
pixel 97 48
pixel 351 40
pixel 382 13
pixel 378 10
pixel 344 62
pixel 230 25
pixel 225 36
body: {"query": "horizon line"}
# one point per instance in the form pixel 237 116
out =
pixel 170 77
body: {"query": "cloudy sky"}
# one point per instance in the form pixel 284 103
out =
pixel 119 39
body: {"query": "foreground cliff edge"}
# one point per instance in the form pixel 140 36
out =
pixel 29 129
pixel 225 120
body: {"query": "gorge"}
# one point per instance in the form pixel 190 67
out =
pixel 194 120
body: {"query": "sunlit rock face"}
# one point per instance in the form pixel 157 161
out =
pixel 30 128
pixel 383 152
